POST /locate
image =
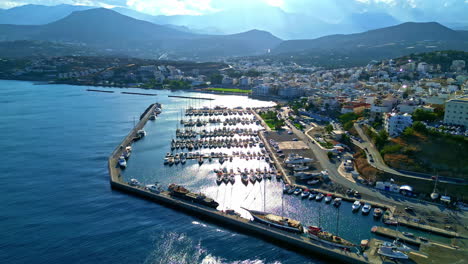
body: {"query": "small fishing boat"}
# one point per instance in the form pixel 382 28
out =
pixel 328 198
pixel 305 194
pixel 377 213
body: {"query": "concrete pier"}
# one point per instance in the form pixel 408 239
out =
pixel 300 243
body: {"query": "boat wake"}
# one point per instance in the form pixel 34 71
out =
pixel 173 248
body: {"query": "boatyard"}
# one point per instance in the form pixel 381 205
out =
pixel 233 153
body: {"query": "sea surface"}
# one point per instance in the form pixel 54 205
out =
pixel 57 206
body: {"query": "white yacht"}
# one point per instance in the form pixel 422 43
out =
pixel 297 159
pixel 122 162
pixel 391 253
pixel 356 205
pixel 366 209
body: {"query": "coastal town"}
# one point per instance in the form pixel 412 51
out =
pixel 387 139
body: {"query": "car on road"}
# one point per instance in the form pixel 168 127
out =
pixel 295 139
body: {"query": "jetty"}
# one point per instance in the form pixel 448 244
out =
pixel 190 97
pixel 147 94
pixel 99 91
pixel 300 243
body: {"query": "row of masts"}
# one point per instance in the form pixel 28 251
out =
pixel 217 132
pixel 191 144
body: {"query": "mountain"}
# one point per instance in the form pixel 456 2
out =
pixel 37 14
pixel 376 44
pixel 107 29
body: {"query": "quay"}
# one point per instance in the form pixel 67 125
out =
pixel 147 94
pixel 393 234
pixel 100 91
pixel 190 97
pixel 428 228
pixel 302 244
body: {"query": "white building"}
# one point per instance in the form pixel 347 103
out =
pixel 395 123
pixel 245 81
pixel 261 90
pixel 456 112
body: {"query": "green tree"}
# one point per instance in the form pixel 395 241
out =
pixel 329 128
pixel 381 139
pixel 424 115
pixel 419 127
pixel 216 78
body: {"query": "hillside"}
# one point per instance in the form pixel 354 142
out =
pixel 390 42
pixel 107 29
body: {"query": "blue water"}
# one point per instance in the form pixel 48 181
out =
pixel 57 206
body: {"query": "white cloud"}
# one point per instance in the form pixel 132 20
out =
pixel 172 7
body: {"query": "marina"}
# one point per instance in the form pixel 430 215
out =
pixel 212 150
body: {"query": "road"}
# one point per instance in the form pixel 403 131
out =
pixel 384 197
pixel 379 163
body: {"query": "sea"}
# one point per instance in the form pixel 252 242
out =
pixel 57 205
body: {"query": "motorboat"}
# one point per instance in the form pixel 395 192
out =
pixel 319 197
pixel 297 191
pixel 305 194
pixel 286 188
pixel 219 180
pixel 391 252
pixel 154 188
pixel 356 205
pixel 337 202
pixel 291 190
pixel 134 182
pixel 312 195
pixel 398 245
pixel 313 182
pixel 377 212
pixel 141 133
pixel 245 179
pixel 277 221
pixel 366 209
pixel 328 198
pixel 122 162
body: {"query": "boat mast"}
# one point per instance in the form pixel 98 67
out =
pixel 264 195
pixel 338 222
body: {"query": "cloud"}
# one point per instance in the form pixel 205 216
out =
pixel 172 7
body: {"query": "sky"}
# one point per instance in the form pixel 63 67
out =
pixel 403 9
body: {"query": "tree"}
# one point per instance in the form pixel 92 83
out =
pixel 424 115
pixel 216 78
pixel 381 139
pixel 419 127
pixel 329 128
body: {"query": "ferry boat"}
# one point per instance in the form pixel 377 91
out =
pixel 391 253
pixel 199 198
pixel 277 221
pixel 316 233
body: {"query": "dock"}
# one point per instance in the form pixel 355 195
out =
pixel 190 97
pixel 300 243
pixel 393 234
pixel 147 94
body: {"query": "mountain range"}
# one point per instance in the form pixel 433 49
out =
pixel 106 31
pixel 286 25
pixel 102 28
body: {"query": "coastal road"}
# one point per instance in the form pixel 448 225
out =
pixel 378 162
